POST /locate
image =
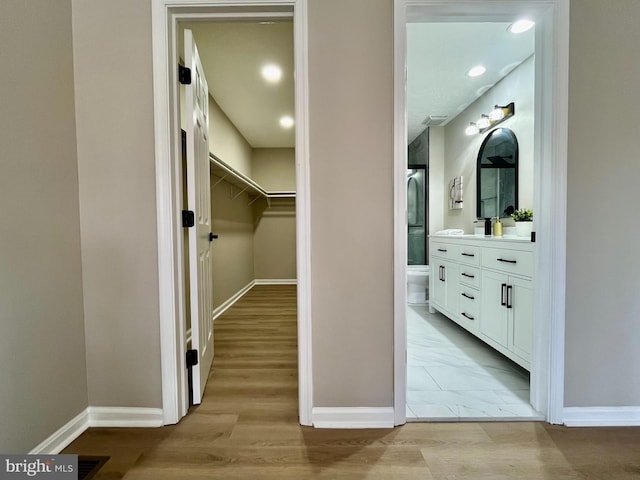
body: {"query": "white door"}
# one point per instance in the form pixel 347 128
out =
pixel 521 326
pixel 199 201
pixel 493 308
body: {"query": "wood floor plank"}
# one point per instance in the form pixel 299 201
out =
pixel 247 427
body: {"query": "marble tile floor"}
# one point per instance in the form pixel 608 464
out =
pixel 454 376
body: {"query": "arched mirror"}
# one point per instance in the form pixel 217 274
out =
pixel 497 174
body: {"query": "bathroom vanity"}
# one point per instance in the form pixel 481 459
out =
pixel 485 284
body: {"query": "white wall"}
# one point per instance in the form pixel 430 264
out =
pixel 603 265
pixel 226 142
pixel 437 200
pixel 461 151
pixel 42 352
pixel 274 169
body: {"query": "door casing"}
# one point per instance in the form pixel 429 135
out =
pixel 550 183
pixel 165 16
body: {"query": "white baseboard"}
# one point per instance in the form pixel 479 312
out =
pixel 63 436
pixel 352 417
pixel 601 416
pixel 233 299
pixel 276 281
pixel 98 417
pixel 125 417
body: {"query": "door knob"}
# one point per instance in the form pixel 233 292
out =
pixel 212 237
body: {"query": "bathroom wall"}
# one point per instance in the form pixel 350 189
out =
pixel 461 151
pixel 437 200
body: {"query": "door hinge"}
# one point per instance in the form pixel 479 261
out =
pixel 184 75
pixel 188 218
pixel 192 358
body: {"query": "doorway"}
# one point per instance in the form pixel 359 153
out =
pixel 550 107
pixel 166 16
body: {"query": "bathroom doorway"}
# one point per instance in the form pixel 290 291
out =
pixel 451 373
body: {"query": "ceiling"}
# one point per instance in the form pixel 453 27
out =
pixel 438 57
pixel 233 54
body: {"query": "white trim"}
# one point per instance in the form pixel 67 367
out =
pixel 62 437
pixel 552 60
pixel 125 417
pixel 168 190
pixel 353 417
pixel 276 281
pixel 601 416
pixel 219 310
pixel 400 216
pixel 98 417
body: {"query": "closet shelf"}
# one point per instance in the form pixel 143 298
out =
pixel 244 183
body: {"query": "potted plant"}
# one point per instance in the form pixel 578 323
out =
pixel 524 221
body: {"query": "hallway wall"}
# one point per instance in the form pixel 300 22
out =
pixel 42 351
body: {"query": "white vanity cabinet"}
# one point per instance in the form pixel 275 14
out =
pixel 444 278
pixel 491 294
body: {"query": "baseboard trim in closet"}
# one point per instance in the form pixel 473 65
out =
pixel 353 417
pixel 233 299
pixel 276 281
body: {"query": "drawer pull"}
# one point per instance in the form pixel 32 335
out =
pixel 468 254
pixel 468 275
pixel 466 295
pixel 443 250
pixel 468 316
pixel 503 290
pixel 507 261
pixel 441 274
pixel 510 296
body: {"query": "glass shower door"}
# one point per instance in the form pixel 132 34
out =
pixel 417 216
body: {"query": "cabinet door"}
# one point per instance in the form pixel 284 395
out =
pixel 444 294
pixel 521 317
pixel 493 311
pixel 437 292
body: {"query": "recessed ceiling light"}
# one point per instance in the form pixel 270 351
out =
pixel 476 71
pixel 286 122
pixel 272 73
pixel 521 26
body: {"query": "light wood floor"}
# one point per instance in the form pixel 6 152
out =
pixel 247 427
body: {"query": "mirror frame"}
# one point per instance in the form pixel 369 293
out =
pixel 479 167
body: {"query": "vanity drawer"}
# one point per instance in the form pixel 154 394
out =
pixel 469 275
pixel 469 254
pixel 444 250
pixel 469 305
pixel 509 261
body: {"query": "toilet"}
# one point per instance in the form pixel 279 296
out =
pixel 417 284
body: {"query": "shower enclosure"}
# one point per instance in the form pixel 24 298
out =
pixel 418 199
pixel 417 215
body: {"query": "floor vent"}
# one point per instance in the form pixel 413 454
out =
pixel 89 466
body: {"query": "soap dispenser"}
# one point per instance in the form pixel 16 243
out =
pixel 497 228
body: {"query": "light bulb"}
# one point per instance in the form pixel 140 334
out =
pixel 521 26
pixel 484 122
pixel 286 122
pixel 476 71
pixel 272 73
pixel 496 114
pixel 472 129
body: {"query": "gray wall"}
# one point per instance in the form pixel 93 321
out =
pixel 603 263
pixel 116 167
pixel 42 354
pixel 351 165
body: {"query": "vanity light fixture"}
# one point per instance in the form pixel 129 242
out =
pixel 521 26
pixel 476 71
pixel 497 115
pixel 472 129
